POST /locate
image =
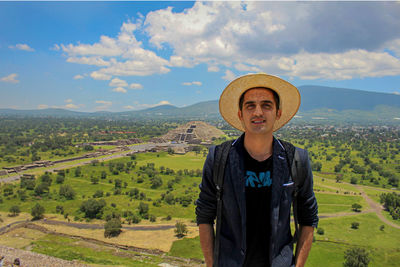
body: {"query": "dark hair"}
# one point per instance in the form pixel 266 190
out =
pixel 276 97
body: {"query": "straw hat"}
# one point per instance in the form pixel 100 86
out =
pixel 289 97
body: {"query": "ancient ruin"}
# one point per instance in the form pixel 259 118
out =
pixel 194 132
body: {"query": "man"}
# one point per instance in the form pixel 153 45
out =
pixel 257 185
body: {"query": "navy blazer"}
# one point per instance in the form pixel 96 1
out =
pixel 233 223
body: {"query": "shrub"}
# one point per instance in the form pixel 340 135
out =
pixel 37 212
pixel 355 225
pixel 98 193
pixel 67 192
pixel 60 179
pixel 93 208
pixel 356 257
pixel 356 207
pixel 14 210
pixel 112 228
pixel 180 229
pixel 152 218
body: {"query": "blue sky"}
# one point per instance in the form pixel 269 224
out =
pixel 120 56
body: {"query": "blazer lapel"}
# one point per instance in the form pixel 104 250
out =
pixel 279 172
pixel 237 174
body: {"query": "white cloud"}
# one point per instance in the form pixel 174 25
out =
pixel 96 61
pixel 135 86
pixel 109 103
pixel 42 106
pixel 12 78
pixel 298 39
pixel 213 69
pixel 118 83
pixel 78 77
pixel 71 106
pixel 396 93
pixel 104 104
pixel 119 90
pixel 283 38
pixel 55 47
pixel 23 47
pixel 126 54
pixel 192 83
pixel 229 75
pixel 69 100
pixel 100 76
pixel 129 107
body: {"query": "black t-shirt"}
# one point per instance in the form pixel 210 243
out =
pixel 258 177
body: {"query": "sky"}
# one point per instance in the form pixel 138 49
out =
pixel 121 56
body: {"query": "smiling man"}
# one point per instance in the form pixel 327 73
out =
pixel 249 184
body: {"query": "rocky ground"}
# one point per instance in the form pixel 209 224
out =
pixel 31 259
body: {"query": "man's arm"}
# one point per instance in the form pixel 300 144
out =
pixel 304 244
pixel 206 232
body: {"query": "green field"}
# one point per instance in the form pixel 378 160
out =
pixel 333 199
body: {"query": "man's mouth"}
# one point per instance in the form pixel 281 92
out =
pixel 258 121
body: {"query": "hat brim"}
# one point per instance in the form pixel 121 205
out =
pixel 289 98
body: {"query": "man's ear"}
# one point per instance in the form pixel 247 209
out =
pixel 278 114
pixel 240 114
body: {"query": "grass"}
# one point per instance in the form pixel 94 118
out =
pixel 188 161
pixel 71 249
pixel 187 248
pixel 384 246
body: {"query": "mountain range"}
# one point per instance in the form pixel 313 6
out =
pixel 317 103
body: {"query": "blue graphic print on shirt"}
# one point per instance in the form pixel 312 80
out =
pixel 262 180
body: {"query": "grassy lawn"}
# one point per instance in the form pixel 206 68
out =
pixel 72 249
pixel 328 250
pixel 188 161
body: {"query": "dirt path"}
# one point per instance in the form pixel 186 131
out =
pixel 377 208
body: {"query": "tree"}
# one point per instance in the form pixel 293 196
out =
pixel 355 225
pixel 112 228
pixel 94 180
pixel 41 189
pixel 60 179
pixel 93 208
pixel 118 183
pixel 180 229
pixel 37 212
pixel 356 207
pixel 144 210
pixel 78 172
pixel 67 192
pixel 46 179
pixel 316 166
pixel 14 210
pixel 320 231
pixel 356 257
pixel 156 182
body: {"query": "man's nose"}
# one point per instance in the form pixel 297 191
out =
pixel 258 110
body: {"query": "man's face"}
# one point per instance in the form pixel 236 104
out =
pixel 259 113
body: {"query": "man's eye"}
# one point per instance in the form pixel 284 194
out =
pixel 250 106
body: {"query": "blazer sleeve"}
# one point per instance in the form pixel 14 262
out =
pixel 206 204
pixel 306 202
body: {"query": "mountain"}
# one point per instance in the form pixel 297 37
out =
pixel 317 97
pixel 318 103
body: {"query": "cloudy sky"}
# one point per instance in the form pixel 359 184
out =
pixel 93 56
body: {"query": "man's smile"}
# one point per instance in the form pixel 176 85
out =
pixel 258 121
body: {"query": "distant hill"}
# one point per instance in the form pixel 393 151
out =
pixel 319 103
pixel 319 97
